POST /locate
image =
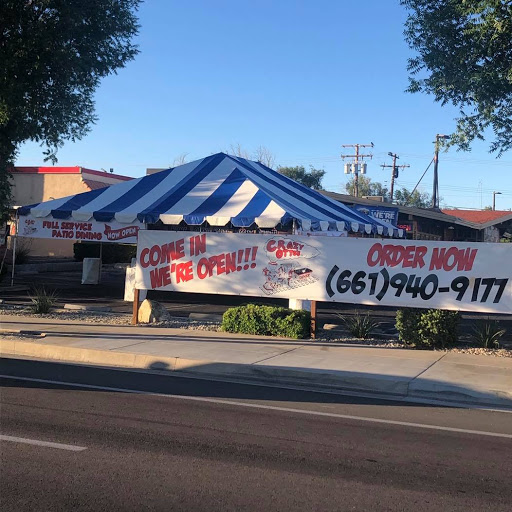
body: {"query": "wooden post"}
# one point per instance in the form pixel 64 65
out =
pixel 135 317
pixel 313 319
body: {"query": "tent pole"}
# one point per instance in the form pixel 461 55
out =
pixel 101 260
pixel 14 248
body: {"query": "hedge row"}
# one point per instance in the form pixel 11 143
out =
pixel 267 320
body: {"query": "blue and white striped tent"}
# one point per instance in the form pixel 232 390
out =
pixel 219 189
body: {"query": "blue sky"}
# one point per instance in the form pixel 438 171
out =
pixel 298 77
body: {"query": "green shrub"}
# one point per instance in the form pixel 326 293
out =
pixel 23 248
pixel 359 325
pixel 430 328
pixel 488 334
pixel 110 252
pixel 406 324
pixel 42 300
pixel 267 320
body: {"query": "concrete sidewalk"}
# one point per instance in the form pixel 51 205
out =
pixel 447 377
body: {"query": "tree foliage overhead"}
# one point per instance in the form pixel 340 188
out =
pixel 53 54
pixel 464 57
pixel 312 178
pixel 366 187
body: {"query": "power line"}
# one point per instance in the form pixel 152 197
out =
pixel 422 176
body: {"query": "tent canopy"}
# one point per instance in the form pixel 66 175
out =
pixel 217 189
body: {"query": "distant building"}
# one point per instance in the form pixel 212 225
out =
pixel 36 184
pixel 439 225
pixel 493 224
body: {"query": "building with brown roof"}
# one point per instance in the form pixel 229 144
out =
pixel 448 225
pixel 494 224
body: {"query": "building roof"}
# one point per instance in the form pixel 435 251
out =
pixel 408 210
pixel 94 185
pixel 482 218
pixel 69 170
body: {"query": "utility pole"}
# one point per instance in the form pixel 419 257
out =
pixel 494 194
pixel 394 172
pixel 355 169
pixel 435 189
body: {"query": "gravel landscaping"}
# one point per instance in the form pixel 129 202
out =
pixel 330 336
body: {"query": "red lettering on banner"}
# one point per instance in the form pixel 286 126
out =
pixel 197 245
pixel 447 259
pixel 203 267
pixel 160 277
pixel 166 253
pixel 119 234
pixel 184 272
pixel 226 263
pixel 393 255
pixel 172 251
pixel 144 261
pixel 230 262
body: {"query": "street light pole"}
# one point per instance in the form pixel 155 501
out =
pixel 494 194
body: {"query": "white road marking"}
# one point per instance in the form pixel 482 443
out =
pixel 46 444
pixel 268 407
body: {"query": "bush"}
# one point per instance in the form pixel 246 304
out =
pixel 360 326
pixel 110 252
pixel 23 248
pixel 42 300
pixel 488 335
pixel 428 328
pixel 267 320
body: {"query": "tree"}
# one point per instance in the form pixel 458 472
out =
pixel 367 187
pixel 465 58
pixel 404 197
pixel 265 156
pixel 262 154
pixel 238 150
pixel 312 178
pixel 180 160
pixel 53 55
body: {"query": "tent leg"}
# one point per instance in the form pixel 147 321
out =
pixel 14 249
pixel 135 315
pixel 101 260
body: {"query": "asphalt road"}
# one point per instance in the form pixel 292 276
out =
pixel 196 445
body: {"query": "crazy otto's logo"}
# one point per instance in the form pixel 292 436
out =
pixel 279 249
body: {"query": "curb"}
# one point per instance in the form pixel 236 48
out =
pixel 321 380
pixel 81 307
pixel 23 332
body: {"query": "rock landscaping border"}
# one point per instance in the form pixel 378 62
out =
pixel 324 336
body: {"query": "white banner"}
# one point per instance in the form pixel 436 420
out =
pixel 90 231
pixel 447 275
